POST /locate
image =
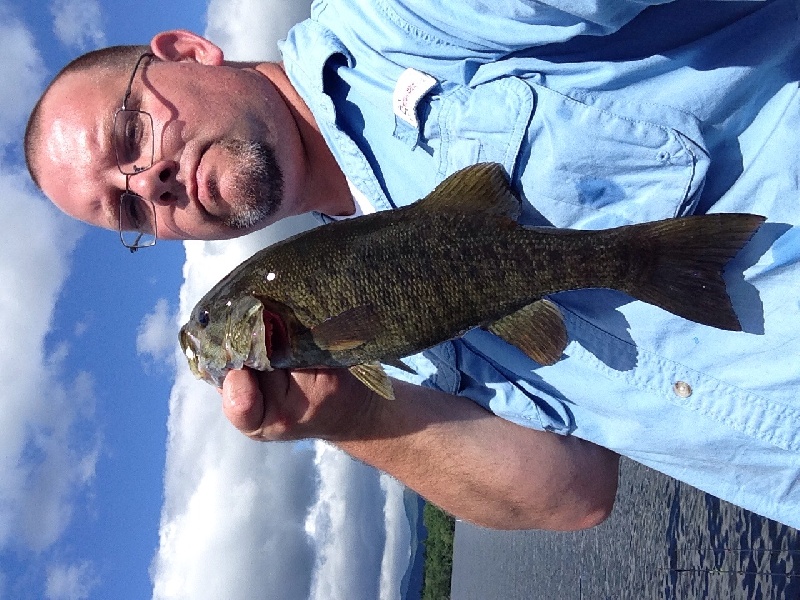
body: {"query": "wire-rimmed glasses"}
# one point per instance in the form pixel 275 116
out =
pixel 133 139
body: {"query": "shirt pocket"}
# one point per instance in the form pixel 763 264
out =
pixel 575 162
pixel 487 123
pixel 590 165
pixel 458 126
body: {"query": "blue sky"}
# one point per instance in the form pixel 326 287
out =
pixel 119 477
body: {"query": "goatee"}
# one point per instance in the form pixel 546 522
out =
pixel 258 183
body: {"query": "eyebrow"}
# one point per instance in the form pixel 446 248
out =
pixel 105 131
pixel 109 207
pixel 111 211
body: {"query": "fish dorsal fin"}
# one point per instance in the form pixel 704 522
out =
pixel 347 330
pixel 537 329
pixel 374 377
pixel 481 188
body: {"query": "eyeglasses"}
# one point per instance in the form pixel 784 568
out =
pixel 134 142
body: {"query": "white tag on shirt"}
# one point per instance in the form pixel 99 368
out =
pixel 411 86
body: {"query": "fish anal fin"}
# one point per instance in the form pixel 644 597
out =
pixel 537 329
pixel 374 377
pixel 350 329
pixel 482 188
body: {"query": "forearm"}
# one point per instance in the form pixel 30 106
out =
pixel 485 469
pixel 473 464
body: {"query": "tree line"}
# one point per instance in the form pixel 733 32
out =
pixel 438 553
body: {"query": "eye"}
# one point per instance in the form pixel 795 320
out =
pixel 203 318
pixel 131 137
pixel 133 140
pixel 134 214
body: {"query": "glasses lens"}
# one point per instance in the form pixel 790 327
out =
pixel 137 221
pixel 133 140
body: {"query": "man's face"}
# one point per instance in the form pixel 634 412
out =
pixel 225 148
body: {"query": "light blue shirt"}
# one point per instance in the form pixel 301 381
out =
pixel 607 114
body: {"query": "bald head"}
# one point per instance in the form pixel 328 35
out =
pixel 112 60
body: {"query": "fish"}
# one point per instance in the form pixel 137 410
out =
pixel 376 288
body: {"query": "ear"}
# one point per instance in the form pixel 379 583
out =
pixel 181 45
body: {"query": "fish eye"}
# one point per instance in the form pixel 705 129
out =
pixel 203 318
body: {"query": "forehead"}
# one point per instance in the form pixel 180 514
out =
pixel 74 142
pixel 77 113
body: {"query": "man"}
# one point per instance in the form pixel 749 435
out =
pixel 602 116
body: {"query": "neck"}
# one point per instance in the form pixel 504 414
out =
pixel 324 186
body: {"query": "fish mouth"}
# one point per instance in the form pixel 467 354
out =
pixel 276 338
pixel 200 366
pixel 247 342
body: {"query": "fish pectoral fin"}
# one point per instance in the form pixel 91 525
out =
pixel 481 188
pixel 375 378
pixel 537 329
pixel 347 330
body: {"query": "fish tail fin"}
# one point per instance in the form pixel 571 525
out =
pixel 678 264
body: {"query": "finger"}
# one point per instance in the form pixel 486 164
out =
pixel 242 400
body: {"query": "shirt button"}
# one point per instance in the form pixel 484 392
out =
pixel 682 389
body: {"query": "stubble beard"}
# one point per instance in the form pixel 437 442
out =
pixel 258 182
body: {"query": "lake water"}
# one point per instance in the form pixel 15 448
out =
pixel 664 540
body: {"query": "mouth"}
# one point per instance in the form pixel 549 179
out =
pixel 276 339
pixel 195 184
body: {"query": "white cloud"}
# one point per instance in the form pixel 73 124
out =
pixel 22 73
pixel 399 538
pixel 43 463
pixel 157 335
pixel 226 496
pixel 351 532
pixel 70 582
pixel 81 327
pixel 56 462
pixel 250 29
pixel 78 24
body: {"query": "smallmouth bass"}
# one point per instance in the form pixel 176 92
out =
pixel 376 288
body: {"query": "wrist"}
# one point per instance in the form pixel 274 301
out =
pixel 359 412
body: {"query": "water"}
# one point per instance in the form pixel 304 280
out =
pixel 664 540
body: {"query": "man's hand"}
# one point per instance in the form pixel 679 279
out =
pixel 284 405
pixel 470 462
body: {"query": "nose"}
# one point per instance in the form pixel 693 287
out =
pixel 159 183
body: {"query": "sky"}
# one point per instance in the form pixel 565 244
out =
pixel 119 476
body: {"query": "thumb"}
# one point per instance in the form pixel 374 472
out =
pixel 242 400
